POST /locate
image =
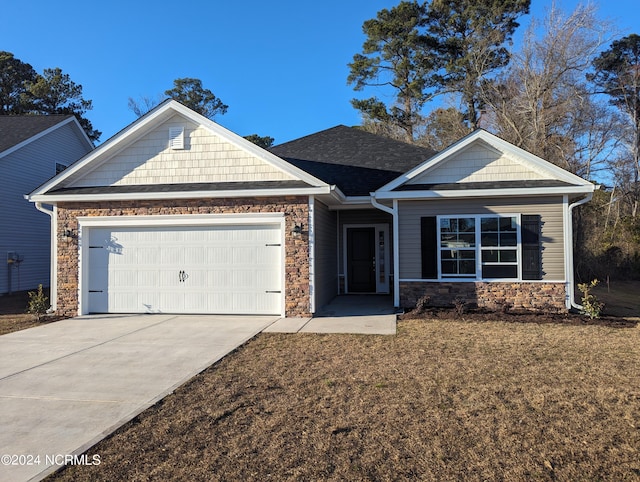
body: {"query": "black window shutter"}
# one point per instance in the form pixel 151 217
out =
pixel 531 247
pixel 429 247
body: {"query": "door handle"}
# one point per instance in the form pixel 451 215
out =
pixel 182 276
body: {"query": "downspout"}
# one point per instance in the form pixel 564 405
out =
pixel 569 243
pixel 396 264
pixel 312 255
pixel 53 265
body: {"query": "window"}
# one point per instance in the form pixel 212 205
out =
pixel 474 247
pixel 499 247
pixel 60 167
pixel 458 247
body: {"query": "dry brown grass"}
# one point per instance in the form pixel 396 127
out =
pixel 442 400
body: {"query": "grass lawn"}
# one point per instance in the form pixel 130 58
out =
pixel 442 400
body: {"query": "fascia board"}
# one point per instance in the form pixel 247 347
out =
pixel 39 135
pixel 83 134
pixel 485 193
pixel 352 202
pixel 147 196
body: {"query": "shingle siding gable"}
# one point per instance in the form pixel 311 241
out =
pixel 479 163
pixel 206 157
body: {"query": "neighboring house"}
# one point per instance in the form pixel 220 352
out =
pixel 33 149
pixel 177 214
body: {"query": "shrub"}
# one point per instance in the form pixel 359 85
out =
pixel 38 305
pixel 460 305
pixel 422 304
pixel 590 304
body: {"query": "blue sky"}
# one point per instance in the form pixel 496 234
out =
pixel 281 66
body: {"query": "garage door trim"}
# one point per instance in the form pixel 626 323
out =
pixel 86 223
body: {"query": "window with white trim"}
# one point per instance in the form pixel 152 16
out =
pixel 481 247
pixel 499 247
pixel 458 247
pixel 478 247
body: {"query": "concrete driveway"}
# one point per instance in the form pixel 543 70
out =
pixel 64 386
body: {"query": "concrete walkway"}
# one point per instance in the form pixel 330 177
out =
pixel 354 314
pixel 66 385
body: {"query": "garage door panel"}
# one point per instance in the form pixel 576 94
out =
pixel 166 278
pixel 207 269
pixel 243 280
pixel 171 255
pixel 122 300
pixel 146 256
pixel 243 255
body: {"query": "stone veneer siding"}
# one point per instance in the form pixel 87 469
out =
pixel 548 297
pixel 296 265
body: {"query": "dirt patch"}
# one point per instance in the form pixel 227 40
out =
pixel 442 400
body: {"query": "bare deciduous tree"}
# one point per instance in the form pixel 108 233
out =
pixel 543 103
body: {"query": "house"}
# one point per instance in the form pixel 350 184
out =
pixel 177 214
pixel 33 148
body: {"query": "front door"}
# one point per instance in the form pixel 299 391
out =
pixel 361 265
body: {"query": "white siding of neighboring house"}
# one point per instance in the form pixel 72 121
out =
pixel 206 157
pixel 480 163
pixel 549 208
pixel 24 229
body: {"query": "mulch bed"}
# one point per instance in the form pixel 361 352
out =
pixel 480 315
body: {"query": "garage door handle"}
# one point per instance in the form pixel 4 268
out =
pixel 273 291
pixel 182 276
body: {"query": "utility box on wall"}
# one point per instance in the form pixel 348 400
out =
pixel 13 262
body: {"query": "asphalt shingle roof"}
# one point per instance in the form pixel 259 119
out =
pixel 15 129
pixel 200 186
pixel 357 161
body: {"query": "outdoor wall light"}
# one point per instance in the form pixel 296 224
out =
pixel 69 235
pixel 297 230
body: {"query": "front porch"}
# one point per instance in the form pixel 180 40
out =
pixel 352 314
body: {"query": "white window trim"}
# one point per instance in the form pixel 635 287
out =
pixel 478 248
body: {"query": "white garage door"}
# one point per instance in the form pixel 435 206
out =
pixel 205 269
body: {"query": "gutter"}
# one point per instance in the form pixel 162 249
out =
pixel 159 195
pixel 53 282
pixel 569 243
